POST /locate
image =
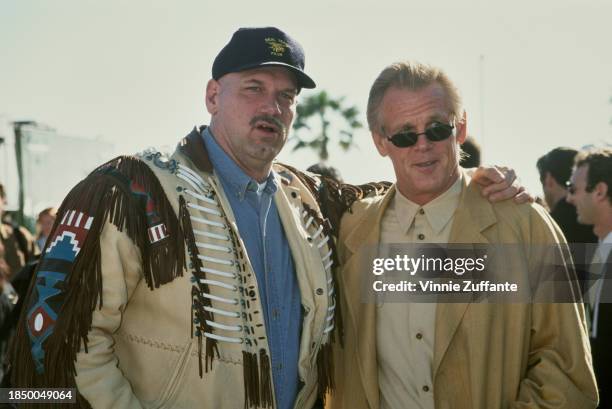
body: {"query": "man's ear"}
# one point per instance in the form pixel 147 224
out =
pixel 212 95
pixel 462 129
pixel 601 191
pixel 379 141
pixel 549 181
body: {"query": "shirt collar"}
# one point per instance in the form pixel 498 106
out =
pixel 231 173
pixel 438 212
pixel 605 246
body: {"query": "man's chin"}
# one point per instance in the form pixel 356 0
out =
pixel 265 154
pixel 427 185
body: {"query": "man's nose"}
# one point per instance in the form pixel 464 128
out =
pixel 423 143
pixel 270 106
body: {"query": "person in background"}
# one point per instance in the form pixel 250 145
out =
pixel 45 221
pixel 555 169
pixel 19 245
pixel 590 190
pixel 7 302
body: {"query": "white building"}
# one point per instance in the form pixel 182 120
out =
pixel 52 164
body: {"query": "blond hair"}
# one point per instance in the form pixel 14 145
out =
pixel 413 76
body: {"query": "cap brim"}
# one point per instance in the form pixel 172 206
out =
pixel 304 81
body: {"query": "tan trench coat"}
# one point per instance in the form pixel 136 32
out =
pixel 486 356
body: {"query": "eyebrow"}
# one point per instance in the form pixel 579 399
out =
pixel 255 81
pixel 252 80
pixel 434 118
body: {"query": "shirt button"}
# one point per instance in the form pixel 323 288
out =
pixel 319 291
pixel 425 388
pixel 419 336
pixel 421 236
pixel 421 211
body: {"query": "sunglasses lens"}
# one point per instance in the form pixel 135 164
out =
pixel 434 134
pixel 404 139
pixel 439 133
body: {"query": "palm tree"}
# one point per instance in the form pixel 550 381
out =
pixel 320 106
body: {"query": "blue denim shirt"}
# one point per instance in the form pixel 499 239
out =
pixel 268 250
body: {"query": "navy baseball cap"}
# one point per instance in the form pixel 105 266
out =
pixel 259 47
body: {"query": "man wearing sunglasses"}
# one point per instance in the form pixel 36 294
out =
pixel 590 190
pixel 457 355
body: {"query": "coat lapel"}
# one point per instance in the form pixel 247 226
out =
pixel 474 215
pixel 194 148
pixel 366 236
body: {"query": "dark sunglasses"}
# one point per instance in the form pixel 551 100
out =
pixel 435 133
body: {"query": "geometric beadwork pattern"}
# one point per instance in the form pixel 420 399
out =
pixel 55 265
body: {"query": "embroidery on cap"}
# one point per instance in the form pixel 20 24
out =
pixel 277 47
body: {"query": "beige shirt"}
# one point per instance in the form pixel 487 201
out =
pixel 404 330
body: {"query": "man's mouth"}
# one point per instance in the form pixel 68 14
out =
pixel 425 165
pixel 267 127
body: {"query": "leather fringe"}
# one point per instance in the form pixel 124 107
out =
pixel 250 374
pixel 258 391
pixel 23 371
pixel 267 395
pixel 162 261
pixel 325 370
pixel 105 193
pixel 198 301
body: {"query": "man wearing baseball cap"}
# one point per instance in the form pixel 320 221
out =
pixel 200 279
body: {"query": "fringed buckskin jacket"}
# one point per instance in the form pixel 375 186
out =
pixel 145 297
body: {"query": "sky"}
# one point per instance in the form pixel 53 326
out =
pixel 533 75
